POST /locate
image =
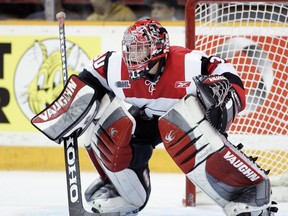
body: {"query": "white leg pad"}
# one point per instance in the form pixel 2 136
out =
pixel 199 178
pixel 210 161
pixel 128 186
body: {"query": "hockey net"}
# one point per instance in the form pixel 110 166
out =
pixel 254 37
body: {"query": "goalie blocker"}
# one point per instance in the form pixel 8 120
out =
pixel 72 111
pixel 212 163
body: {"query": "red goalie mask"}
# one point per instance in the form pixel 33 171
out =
pixel 144 43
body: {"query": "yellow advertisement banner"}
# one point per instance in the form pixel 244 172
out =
pixel 31 75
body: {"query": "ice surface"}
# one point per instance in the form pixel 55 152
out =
pixel 44 194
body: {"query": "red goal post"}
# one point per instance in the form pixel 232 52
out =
pixel 253 35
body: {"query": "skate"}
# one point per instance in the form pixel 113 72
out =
pixel 104 198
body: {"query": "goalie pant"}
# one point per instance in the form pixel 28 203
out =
pixel 217 167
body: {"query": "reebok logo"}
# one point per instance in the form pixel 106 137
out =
pixel 182 84
pixel 241 166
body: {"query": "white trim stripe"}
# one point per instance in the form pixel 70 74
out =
pixel 114 74
pixel 192 68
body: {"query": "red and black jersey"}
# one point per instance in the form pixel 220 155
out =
pixel 176 81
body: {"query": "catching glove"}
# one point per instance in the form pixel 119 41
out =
pixel 219 99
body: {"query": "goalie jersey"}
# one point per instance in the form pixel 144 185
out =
pixel 108 72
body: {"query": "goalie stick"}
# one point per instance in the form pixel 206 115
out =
pixel 71 145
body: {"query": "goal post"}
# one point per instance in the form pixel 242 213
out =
pixel 253 35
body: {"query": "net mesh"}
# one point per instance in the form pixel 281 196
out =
pixel 254 37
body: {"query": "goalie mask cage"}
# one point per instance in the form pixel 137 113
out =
pixel 253 35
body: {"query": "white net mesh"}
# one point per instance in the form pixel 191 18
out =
pixel 254 36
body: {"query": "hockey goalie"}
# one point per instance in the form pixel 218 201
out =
pixel 129 102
